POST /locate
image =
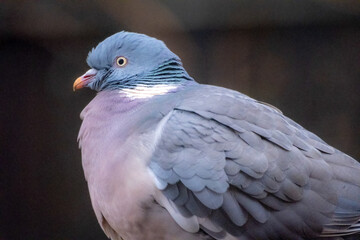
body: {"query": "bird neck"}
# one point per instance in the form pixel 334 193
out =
pixel 169 72
pixel 168 77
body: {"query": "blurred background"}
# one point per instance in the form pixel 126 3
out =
pixel 300 56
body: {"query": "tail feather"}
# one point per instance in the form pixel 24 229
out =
pixel 346 219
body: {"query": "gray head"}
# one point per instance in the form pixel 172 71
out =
pixel 126 60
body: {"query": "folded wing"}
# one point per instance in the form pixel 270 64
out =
pixel 235 167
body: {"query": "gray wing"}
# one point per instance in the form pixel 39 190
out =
pixel 240 167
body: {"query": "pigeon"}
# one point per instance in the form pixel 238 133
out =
pixel 168 158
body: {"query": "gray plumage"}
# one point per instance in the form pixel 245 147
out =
pixel 204 162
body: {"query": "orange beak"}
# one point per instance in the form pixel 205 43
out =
pixel 83 81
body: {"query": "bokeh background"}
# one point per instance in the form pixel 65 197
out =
pixel 301 56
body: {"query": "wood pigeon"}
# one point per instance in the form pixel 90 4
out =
pixel 168 158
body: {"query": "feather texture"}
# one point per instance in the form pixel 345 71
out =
pixel 167 158
pixel 256 169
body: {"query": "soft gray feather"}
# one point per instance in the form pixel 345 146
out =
pixel 222 165
pixel 273 168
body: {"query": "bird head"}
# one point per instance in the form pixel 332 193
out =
pixel 128 60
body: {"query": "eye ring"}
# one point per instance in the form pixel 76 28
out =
pixel 121 61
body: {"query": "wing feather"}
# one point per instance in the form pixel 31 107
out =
pixel 242 168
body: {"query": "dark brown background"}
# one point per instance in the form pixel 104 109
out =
pixel 301 56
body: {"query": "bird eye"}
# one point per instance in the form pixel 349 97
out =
pixel 121 61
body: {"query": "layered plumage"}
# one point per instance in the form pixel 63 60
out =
pixel 168 158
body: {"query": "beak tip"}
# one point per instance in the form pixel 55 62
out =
pixel 79 83
pixel 74 88
pixel 82 81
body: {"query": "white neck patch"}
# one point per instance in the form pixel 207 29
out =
pixel 144 91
